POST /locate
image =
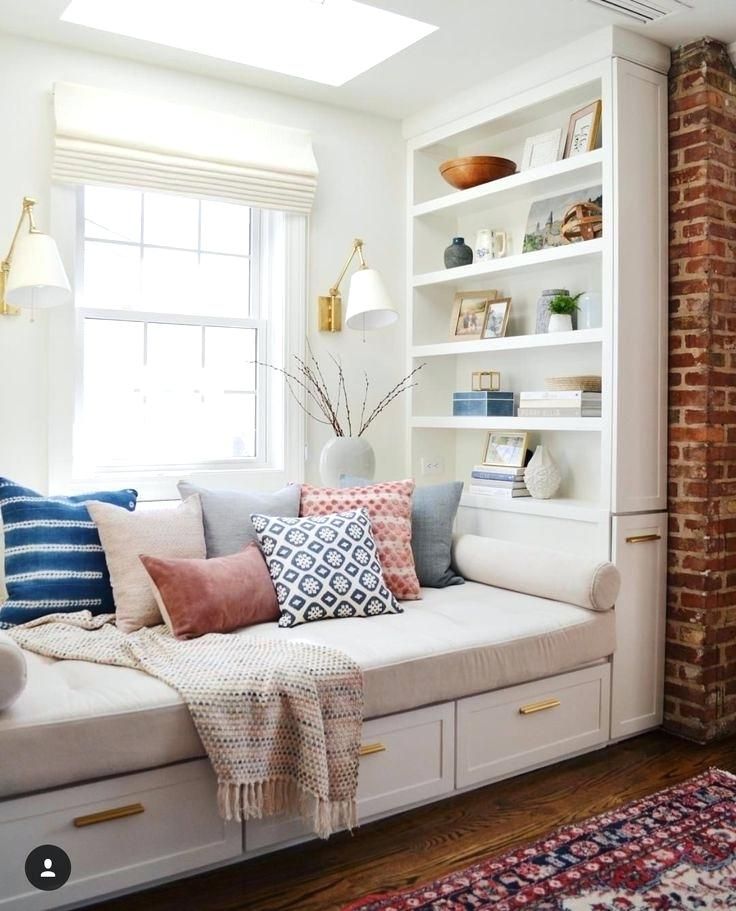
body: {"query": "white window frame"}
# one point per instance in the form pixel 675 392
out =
pixel 281 430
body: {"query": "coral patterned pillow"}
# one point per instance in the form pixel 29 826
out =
pixel 389 508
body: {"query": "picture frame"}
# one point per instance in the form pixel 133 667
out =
pixel 583 130
pixel 469 314
pixel 496 318
pixel 544 148
pixel 505 447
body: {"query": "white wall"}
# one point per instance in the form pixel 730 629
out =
pixel 360 194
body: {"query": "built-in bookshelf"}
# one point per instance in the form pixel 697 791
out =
pixel 613 492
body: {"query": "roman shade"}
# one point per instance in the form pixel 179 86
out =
pixel 105 137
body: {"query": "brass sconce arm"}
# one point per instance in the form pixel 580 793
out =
pixel 27 210
pixel 330 305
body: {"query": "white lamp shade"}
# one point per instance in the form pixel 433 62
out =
pixel 37 277
pixel 369 306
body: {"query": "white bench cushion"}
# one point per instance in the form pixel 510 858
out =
pixel 76 721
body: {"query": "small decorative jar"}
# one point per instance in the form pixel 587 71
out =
pixel 458 254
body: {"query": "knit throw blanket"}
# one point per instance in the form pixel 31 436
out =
pixel 280 721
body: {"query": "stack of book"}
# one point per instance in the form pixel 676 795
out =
pixel 498 481
pixel 551 403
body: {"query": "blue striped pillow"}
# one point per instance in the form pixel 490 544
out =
pixel 54 561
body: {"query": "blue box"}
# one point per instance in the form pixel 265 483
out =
pixel 483 404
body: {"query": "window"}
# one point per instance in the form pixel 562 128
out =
pixel 171 318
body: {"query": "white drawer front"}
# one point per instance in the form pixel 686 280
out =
pixel 506 732
pixel 407 758
pixel 178 830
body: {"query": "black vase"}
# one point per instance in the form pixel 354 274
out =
pixel 458 254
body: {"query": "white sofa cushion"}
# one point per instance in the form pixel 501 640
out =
pixel 570 578
pixel 12 671
pixel 96 720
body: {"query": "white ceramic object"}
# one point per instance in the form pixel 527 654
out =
pixel 590 315
pixel 352 456
pixel 560 322
pixel 542 476
pixel 491 244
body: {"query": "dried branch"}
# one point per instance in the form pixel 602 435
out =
pixel 308 382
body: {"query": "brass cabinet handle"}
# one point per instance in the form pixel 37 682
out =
pixel 107 815
pixel 542 706
pixel 640 539
pixel 367 749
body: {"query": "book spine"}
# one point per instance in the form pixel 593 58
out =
pixel 498 492
pixel 557 403
pixel 510 485
pixel 554 394
pixel 495 476
pixel 556 413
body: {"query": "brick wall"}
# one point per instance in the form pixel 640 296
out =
pixel 700 689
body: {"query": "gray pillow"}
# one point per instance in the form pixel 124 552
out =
pixel 226 513
pixel 433 511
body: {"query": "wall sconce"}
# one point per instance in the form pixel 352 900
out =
pixel 32 274
pixel 369 304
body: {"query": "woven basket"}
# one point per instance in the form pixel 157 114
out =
pixel 574 383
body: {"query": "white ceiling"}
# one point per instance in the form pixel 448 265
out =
pixel 477 40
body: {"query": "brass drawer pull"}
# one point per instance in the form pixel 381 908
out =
pixel 368 749
pixel 640 539
pixel 107 815
pixel 542 706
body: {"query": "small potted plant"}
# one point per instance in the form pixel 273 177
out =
pixel 561 309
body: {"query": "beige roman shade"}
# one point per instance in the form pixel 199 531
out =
pixel 105 137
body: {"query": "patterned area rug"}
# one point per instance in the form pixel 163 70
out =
pixel 672 851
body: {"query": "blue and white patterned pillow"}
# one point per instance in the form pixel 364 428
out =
pixel 324 567
pixel 54 561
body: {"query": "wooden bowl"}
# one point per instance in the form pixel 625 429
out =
pixel 463 173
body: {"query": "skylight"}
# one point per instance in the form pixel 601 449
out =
pixel 327 41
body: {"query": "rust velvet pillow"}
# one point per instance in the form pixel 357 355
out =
pixel 388 505
pixel 220 595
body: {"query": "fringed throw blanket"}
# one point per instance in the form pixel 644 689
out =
pixel 280 721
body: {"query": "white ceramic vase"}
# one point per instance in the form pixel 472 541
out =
pixel 542 476
pixel 591 313
pixel 560 322
pixel 352 456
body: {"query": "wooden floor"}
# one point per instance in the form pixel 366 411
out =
pixel 422 844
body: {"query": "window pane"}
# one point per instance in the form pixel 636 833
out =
pixel 111 276
pixel 170 221
pixel 230 426
pixel 112 214
pixel 170 282
pixel 225 228
pixel 225 285
pixel 228 357
pixel 113 396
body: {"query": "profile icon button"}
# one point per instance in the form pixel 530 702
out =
pixel 48 867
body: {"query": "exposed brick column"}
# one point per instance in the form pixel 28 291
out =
pixel 700 689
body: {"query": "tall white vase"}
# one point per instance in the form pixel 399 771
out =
pixel 352 456
pixel 542 476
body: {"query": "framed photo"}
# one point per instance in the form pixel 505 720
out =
pixel 469 314
pixel 583 130
pixel 505 447
pixel 545 217
pixel 497 318
pixel 543 148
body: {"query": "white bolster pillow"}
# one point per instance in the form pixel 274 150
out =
pixel 552 574
pixel 12 671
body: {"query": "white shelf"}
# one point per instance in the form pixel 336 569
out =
pixel 521 262
pixel 515 423
pixel 556 178
pixel 510 343
pixel 561 508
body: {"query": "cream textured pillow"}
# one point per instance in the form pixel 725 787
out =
pixel 166 533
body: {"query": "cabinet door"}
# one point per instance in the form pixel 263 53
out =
pixel 640 553
pixel 640 290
